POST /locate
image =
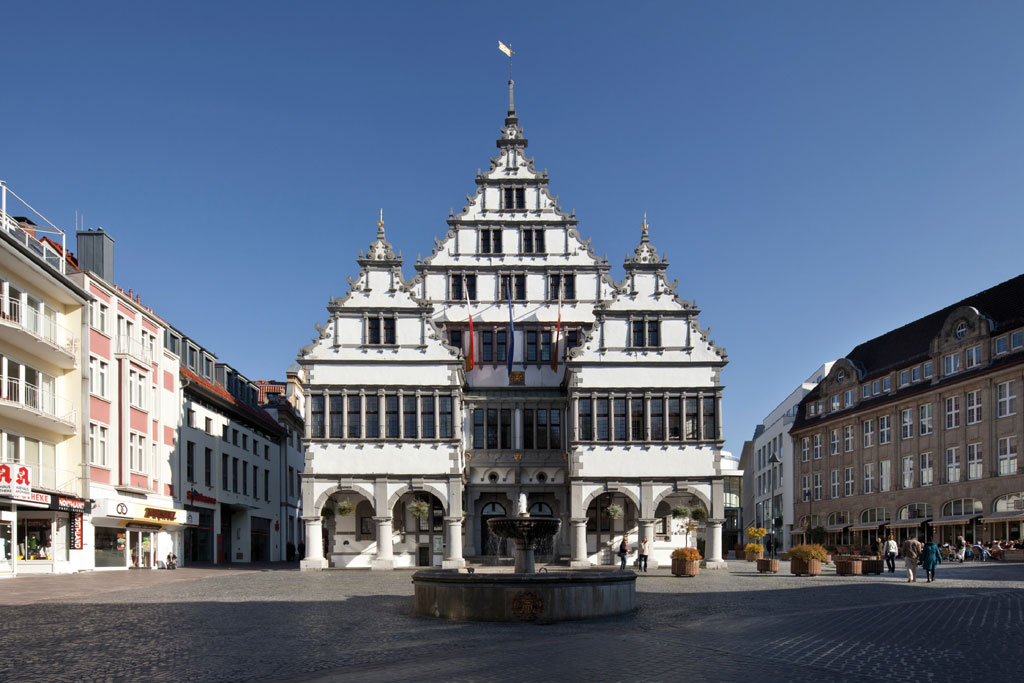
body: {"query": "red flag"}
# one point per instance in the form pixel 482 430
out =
pixel 558 329
pixel 470 359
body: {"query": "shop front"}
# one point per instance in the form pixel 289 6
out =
pixel 136 535
pixel 38 529
pixel 199 534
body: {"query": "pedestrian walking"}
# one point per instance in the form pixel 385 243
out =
pixel 643 551
pixel 930 556
pixel 890 550
pixel 623 551
pixel 911 554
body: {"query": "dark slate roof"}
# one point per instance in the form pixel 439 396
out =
pixel 1003 304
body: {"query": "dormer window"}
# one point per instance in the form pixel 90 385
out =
pixel 380 331
pixel 566 284
pixel 490 241
pixel 533 241
pixel 462 285
pixel 514 198
pixel 961 329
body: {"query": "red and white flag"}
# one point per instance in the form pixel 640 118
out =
pixel 558 328
pixel 470 359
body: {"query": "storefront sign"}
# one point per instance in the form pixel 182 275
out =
pixel 15 481
pixel 76 531
pixel 159 514
pixel 197 497
pixel 71 504
pixel 140 512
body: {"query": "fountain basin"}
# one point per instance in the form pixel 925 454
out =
pixel 542 598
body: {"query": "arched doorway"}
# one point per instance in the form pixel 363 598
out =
pixel 605 529
pixel 418 520
pixel 491 545
pixel 350 536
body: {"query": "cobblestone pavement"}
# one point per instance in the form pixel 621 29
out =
pixel 252 624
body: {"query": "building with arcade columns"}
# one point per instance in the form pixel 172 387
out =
pixel 512 362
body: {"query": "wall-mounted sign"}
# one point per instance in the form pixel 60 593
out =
pixel 15 481
pixel 76 531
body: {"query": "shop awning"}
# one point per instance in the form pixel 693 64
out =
pixel 956 519
pixel 836 527
pixel 867 527
pixel 905 523
pixel 1005 516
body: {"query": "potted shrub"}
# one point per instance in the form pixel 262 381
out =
pixel 806 559
pixel 698 514
pixel 419 508
pixel 685 562
pixel 768 565
pixel 613 511
pixel 679 511
pixel 753 551
pixel 345 508
pixel 848 566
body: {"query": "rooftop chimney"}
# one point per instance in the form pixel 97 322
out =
pixel 96 253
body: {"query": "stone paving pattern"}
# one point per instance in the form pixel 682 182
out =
pixel 281 624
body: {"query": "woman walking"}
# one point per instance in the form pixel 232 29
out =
pixel 930 556
pixel 890 550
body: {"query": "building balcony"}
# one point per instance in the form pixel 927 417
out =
pixel 24 402
pixel 46 475
pixel 128 346
pixel 39 335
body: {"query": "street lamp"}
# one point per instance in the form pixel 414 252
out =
pixel 773 461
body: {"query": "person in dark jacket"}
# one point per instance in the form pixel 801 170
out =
pixel 930 556
pixel 623 551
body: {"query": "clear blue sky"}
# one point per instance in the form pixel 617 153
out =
pixel 818 172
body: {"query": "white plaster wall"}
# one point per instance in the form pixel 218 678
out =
pixel 396 458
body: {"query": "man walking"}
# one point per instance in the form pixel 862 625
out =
pixel 642 552
pixel 911 553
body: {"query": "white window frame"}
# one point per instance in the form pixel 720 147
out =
pixel 98 444
pixel 868 434
pixel 975 464
pixel 1007 456
pixel 927 476
pixel 817 486
pixel 972 403
pixel 98 376
pixel 833 488
pixel 805 449
pixel 833 442
pixel 884 476
pixel 952 465
pixel 884 430
pixel 925 420
pixel 137 452
pixel 952 412
pixel 907 423
pixel 951 363
pixel 847 438
pixel 848 483
pixel 1006 399
pixel 817 447
pixel 907 472
pixel 973 357
pixel 869 477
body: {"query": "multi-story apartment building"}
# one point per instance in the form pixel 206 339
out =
pixel 43 401
pixel 283 402
pixel 916 432
pixel 134 406
pixel 771 494
pixel 511 364
pixel 228 460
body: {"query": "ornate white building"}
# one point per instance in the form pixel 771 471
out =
pixel 419 427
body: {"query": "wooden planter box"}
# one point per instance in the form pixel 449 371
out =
pixel 753 556
pixel 1012 555
pixel 802 568
pixel 685 567
pixel 849 567
pixel 784 557
pixel 768 566
pixel 872 566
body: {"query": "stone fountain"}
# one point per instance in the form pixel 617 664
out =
pixel 524 595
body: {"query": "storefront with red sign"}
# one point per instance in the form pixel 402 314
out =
pixel 38 530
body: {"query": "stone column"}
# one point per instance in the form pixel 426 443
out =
pixel 579 542
pixel 647 529
pixel 713 555
pixel 453 558
pixel 314 545
pixel 385 545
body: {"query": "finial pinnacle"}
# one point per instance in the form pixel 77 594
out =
pixel 643 237
pixel 380 225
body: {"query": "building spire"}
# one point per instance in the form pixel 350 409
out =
pixel 380 225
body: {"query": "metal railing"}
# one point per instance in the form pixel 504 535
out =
pixel 134 347
pixel 43 402
pixel 40 326
pixel 46 477
pixel 29 238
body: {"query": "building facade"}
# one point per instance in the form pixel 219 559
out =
pixel 916 432
pixel 771 483
pixel 283 402
pixel 134 406
pixel 44 480
pixel 511 363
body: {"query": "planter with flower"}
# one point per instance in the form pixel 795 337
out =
pixel 345 508
pixel 685 561
pixel 806 559
pixel 754 550
pixel 613 511
pixel 768 565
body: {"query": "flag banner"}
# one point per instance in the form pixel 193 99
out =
pixel 505 48
pixel 511 329
pixel 471 358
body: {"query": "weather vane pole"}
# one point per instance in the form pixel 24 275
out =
pixel 507 49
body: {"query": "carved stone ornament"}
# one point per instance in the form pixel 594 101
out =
pixel 527 605
pixel 645 252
